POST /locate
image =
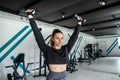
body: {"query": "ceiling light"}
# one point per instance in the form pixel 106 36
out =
pixel 93 29
pixel 63 14
pixel 112 17
pixel 102 2
pixel 118 25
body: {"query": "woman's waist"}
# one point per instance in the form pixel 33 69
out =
pixel 57 67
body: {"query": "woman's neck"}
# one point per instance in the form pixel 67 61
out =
pixel 57 47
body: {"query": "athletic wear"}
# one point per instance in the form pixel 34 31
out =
pixel 56 75
pixel 54 56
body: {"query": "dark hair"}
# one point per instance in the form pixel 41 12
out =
pixel 53 34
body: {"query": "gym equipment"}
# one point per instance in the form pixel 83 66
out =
pixel 73 61
pixel 35 13
pixel 98 53
pixel 16 76
pixel 85 59
pixel 90 50
pixel 44 66
pixel 80 18
pixel 72 65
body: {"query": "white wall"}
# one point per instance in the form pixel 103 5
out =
pixel 11 24
pixel 109 45
pixel 118 41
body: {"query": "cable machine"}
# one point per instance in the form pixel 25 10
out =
pixel 44 66
pixel 90 50
pixel 17 61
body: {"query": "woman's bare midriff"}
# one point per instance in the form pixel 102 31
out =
pixel 57 67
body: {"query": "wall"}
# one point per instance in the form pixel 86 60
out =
pixel 16 37
pixel 109 45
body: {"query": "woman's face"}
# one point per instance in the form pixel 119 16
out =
pixel 58 39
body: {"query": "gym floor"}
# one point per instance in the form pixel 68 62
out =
pixel 106 68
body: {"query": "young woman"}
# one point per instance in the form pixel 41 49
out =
pixel 56 54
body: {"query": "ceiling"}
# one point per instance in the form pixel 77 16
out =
pixel 100 20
